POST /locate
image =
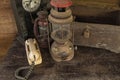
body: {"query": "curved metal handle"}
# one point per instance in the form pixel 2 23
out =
pixel 17 72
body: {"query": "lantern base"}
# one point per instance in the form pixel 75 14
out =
pixel 62 52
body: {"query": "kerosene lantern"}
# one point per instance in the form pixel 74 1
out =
pixel 61 18
pixel 41 29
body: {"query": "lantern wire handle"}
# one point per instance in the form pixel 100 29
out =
pixel 48 36
pixel 73 36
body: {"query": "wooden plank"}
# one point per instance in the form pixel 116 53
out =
pixel 5 42
pixel 101 36
pixel 6 15
pixel 100 1
pixel 94 7
pixel 6 35
pixel 5 4
pixel 7 21
pixel 7 27
pixel 97 3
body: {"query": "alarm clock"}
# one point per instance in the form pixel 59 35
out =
pixel 31 5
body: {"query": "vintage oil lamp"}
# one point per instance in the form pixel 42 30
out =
pixel 61 18
pixel 41 29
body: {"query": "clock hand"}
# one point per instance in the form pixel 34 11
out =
pixel 33 4
pixel 29 2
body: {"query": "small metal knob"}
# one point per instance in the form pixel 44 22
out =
pixel 86 33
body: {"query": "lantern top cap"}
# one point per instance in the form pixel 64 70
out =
pixel 61 3
pixel 42 14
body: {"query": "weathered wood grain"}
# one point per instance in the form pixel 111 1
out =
pixel 100 36
pixel 7 27
pixel 7 21
pixel 5 42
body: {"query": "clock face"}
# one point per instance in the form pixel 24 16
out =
pixel 31 5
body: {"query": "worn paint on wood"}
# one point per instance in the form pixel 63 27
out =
pixel 5 43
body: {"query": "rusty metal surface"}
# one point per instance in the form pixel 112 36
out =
pixel 100 36
pixel 88 64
